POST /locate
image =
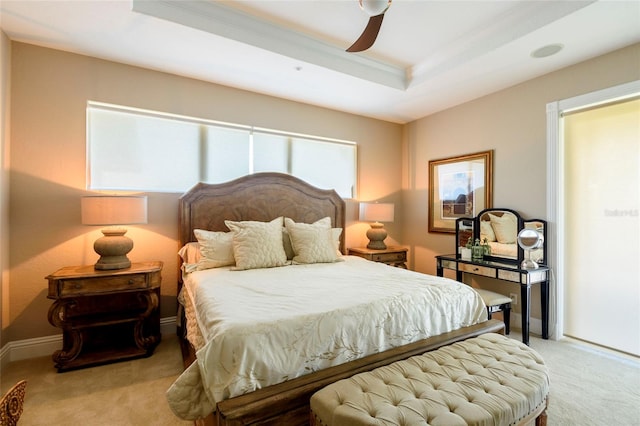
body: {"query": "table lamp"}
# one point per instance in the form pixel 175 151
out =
pixel 113 210
pixel 376 213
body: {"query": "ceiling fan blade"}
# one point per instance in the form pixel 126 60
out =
pixel 369 35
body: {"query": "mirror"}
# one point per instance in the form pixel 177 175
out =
pixel 529 239
pixel 464 232
pixel 500 228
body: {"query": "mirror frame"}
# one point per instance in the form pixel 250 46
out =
pixel 520 224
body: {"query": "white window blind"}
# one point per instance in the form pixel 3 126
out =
pixel 140 150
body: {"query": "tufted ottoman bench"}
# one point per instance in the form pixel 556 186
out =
pixel 487 380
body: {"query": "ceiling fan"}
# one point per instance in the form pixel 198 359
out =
pixel 375 9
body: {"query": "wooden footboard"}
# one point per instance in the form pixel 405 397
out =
pixel 288 403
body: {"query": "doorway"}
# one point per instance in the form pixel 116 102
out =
pixel 594 193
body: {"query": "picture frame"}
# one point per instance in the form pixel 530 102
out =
pixel 459 187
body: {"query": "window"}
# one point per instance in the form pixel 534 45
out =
pixel 139 150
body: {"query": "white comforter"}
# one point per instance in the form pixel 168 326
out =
pixel 265 326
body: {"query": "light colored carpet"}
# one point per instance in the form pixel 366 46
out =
pixel 588 387
pixel 124 393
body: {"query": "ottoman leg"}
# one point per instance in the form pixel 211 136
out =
pixel 541 420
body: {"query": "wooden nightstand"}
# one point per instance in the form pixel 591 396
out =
pixel 394 256
pixel 105 316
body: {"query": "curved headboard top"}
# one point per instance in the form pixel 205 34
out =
pixel 262 197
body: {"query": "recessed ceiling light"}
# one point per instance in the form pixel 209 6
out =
pixel 548 50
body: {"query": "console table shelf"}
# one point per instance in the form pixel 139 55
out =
pixel 510 272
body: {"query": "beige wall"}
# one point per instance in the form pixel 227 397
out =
pixel 50 90
pixel 5 101
pixel 49 94
pixel 512 122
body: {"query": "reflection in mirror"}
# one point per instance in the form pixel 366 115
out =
pixel 499 229
pixel 464 234
pixel 537 254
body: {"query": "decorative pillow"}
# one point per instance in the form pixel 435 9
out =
pixel 190 253
pixel 286 240
pixel 312 243
pixel 216 249
pixel 257 244
pixel 286 243
pixel 336 239
pixel 505 227
pixel 325 222
pixel 486 231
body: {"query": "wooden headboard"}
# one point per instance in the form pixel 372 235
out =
pixel 262 197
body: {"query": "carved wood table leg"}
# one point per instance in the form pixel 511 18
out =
pixel 149 342
pixel 72 339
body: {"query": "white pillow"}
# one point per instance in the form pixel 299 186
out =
pixel 312 243
pixel 288 248
pixel 286 238
pixel 190 253
pixel 486 231
pixel 286 242
pixel 216 249
pixel 505 227
pixel 257 244
pixel 336 239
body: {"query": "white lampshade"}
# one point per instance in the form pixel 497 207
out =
pixel 113 210
pixel 376 212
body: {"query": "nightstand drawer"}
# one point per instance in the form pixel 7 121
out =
pixel 100 285
pixel 390 257
pixel 478 270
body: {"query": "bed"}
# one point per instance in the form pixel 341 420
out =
pixel 275 388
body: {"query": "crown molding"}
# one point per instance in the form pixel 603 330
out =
pixel 218 19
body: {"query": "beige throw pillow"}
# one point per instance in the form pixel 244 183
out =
pixel 257 244
pixel 286 238
pixel 190 253
pixel 312 243
pixel 505 228
pixel 216 249
pixel 486 231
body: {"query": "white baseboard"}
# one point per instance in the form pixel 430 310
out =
pixel 535 324
pixel 43 346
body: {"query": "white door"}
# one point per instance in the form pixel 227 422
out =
pixel 601 225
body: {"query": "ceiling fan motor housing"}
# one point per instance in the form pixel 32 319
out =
pixel 374 7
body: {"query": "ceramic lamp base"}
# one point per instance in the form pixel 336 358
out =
pixel 113 248
pixel 376 235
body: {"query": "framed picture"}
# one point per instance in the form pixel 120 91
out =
pixel 459 187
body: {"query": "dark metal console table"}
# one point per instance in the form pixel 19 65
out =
pixel 511 273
